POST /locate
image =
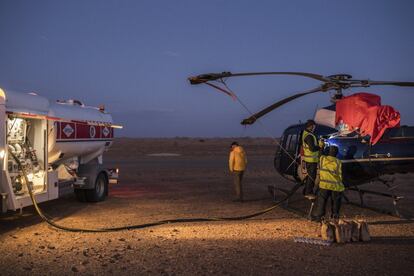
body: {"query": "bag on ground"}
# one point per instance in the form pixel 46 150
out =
pixel 354 231
pixel 363 230
pixel 327 231
pixel 339 232
pixel 347 230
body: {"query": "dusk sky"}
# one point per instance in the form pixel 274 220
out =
pixel 135 57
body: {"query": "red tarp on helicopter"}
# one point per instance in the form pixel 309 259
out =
pixel 365 112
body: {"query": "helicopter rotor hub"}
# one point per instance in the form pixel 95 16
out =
pixel 340 77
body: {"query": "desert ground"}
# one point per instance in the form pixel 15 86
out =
pixel 164 179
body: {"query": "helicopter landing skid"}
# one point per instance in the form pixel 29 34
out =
pixel 273 189
pixel 395 198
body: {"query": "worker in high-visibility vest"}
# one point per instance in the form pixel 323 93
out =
pixel 311 148
pixel 330 184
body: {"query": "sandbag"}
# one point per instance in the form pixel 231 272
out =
pixel 339 232
pixel 327 231
pixel 346 230
pixel 354 231
pixel 343 231
pixel 363 230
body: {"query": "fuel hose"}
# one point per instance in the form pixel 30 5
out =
pixel 160 222
pixel 144 225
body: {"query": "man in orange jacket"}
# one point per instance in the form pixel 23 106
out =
pixel 237 166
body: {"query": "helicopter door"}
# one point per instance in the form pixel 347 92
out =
pixel 288 161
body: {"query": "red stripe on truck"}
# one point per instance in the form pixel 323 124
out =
pixel 83 131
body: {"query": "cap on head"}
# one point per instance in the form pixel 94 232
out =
pixel 310 123
pixel 234 144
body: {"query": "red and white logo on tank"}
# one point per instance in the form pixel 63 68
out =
pixel 92 131
pixel 68 130
pixel 105 131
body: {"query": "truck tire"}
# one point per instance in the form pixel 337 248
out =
pixel 80 195
pixel 100 191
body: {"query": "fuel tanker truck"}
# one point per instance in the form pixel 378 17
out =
pixel 59 147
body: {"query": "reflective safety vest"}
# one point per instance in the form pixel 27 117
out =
pixel 308 155
pixel 330 174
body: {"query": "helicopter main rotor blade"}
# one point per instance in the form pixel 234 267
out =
pixel 395 83
pixel 215 76
pixel 254 117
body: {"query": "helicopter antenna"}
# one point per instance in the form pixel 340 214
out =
pixel 316 110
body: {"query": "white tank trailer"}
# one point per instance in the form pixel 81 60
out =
pixel 59 144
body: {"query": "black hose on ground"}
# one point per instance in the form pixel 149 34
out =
pixel 144 225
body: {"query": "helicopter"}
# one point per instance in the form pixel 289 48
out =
pixel 364 160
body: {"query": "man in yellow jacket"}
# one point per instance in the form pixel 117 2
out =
pixel 311 151
pixel 237 166
pixel 330 184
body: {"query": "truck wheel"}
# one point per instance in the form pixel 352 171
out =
pixel 100 191
pixel 80 195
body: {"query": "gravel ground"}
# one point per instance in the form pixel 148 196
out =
pixel 193 182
